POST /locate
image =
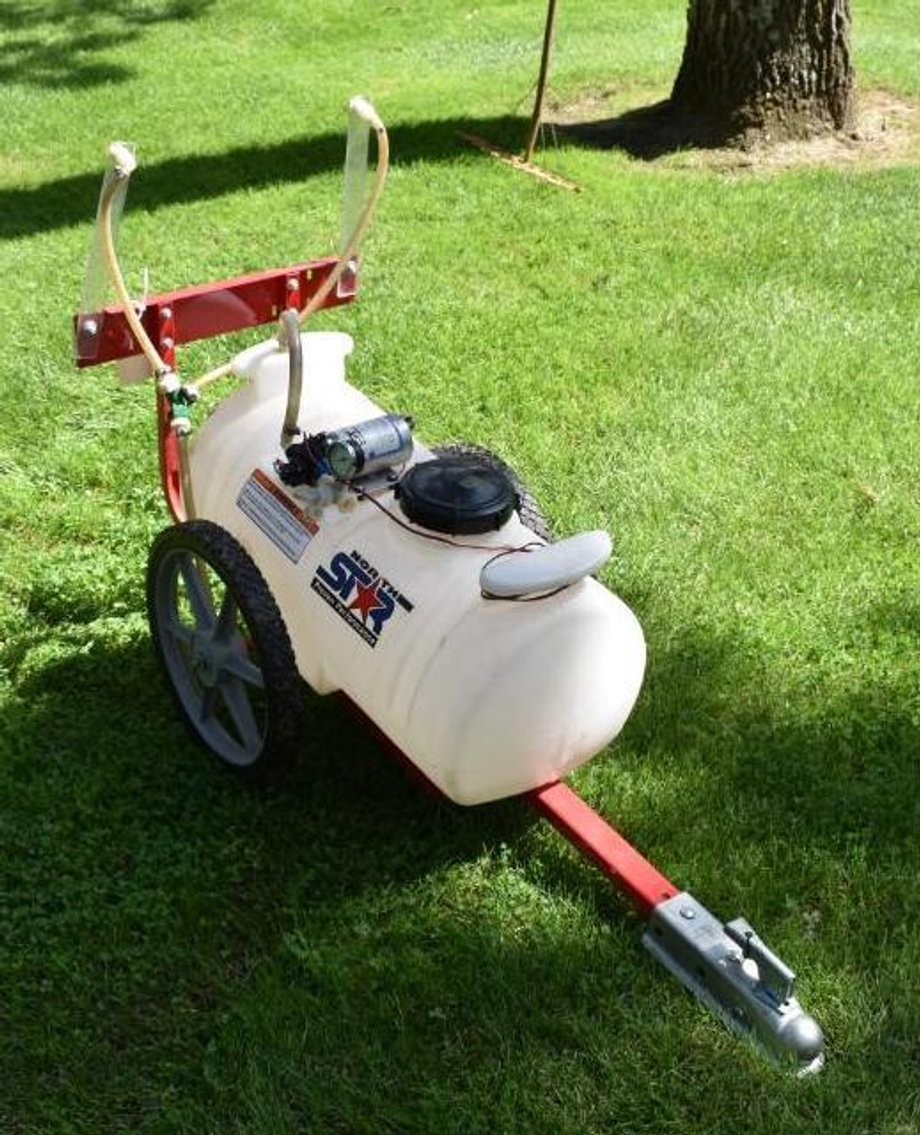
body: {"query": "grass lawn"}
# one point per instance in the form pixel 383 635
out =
pixel 719 367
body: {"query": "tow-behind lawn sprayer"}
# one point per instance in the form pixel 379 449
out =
pixel 317 538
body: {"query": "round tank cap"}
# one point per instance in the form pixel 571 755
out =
pixel 458 495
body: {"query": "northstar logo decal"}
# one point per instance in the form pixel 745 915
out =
pixel 358 594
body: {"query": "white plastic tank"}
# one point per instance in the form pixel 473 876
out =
pixel 488 698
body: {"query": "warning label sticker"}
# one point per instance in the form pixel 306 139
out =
pixel 274 513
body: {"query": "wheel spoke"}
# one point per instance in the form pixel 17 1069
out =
pixel 208 705
pixel 244 668
pixel 198 591
pixel 179 631
pixel 237 702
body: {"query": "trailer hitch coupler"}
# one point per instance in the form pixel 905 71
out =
pixel 738 977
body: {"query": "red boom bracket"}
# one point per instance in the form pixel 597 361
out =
pixel 203 311
pixel 199 312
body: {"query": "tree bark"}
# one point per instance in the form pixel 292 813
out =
pixel 778 68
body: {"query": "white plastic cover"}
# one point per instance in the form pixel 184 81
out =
pixel 96 287
pixel 539 570
pixel 355 189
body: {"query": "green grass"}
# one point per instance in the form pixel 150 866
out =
pixel 720 369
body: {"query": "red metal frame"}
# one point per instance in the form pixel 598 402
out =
pixel 200 312
pixel 595 838
pixel 208 309
pixel 167 438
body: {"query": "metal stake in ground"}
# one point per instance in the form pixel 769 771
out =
pixel 537 115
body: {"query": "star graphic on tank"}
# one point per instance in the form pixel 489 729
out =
pixel 366 601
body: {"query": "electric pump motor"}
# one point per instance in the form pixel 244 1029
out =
pixel 371 447
pixel 349 453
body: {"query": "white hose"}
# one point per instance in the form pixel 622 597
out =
pixel 290 335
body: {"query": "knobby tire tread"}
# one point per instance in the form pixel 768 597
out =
pixel 283 690
pixel 528 510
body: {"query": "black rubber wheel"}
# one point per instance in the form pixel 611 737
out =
pixel 225 649
pixel 528 510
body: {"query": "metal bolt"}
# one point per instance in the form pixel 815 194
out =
pixel 166 343
pixel 89 327
pixel 293 284
pixel 687 912
pixel 166 314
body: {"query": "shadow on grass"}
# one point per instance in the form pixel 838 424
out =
pixel 145 884
pixel 69 33
pixel 829 770
pixel 176 181
pixel 334 952
pixel 646 132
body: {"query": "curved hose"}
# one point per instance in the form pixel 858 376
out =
pixel 290 335
pixel 122 167
pixel 289 328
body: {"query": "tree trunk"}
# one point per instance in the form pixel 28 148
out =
pixel 778 68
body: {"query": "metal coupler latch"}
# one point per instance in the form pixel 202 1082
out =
pixel 738 977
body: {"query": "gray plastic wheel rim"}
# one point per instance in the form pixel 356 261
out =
pixel 203 641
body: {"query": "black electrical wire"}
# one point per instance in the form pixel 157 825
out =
pixel 507 550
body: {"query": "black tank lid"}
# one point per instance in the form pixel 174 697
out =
pixel 458 495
